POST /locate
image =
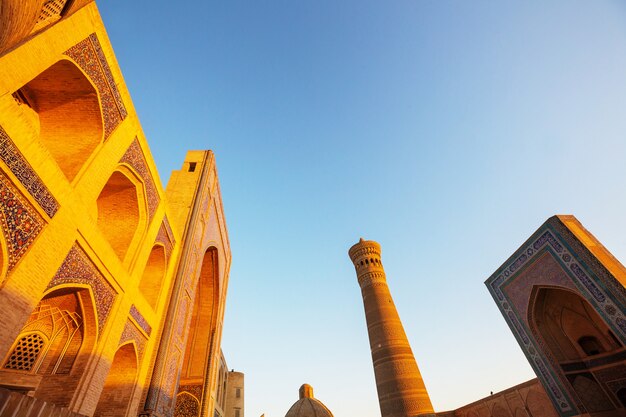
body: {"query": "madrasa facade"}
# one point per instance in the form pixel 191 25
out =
pixel 113 286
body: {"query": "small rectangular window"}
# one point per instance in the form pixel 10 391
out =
pixel 192 166
pixel 237 412
pixel 238 393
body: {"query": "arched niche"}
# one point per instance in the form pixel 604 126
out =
pixel 54 345
pixel 121 210
pixel 119 386
pixel 539 405
pixel 203 321
pixel 187 405
pixel 63 107
pixel 569 325
pixel 152 279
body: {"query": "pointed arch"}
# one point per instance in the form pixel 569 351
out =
pixel 119 386
pixel 121 210
pixel 152 279
pixel 203 321
pixel 54 345
pixel 62 107
pixel 568 324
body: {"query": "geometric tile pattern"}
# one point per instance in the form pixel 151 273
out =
pixel 22 170
pixel 141 321
pixel 77 268
pixel 90 58
pixel 589 276
pixel 20 222
pixel 132 333
pixel 134 157
pixel 165 237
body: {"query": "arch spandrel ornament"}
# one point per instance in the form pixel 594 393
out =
pixel 90 57
pixel 20 222
pixel 77 268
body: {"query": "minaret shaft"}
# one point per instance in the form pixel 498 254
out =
pixel 401 390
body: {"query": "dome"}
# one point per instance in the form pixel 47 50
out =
pixel 307 406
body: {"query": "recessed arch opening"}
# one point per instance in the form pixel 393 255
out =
pixel 576 337
pixel 151 282
pixel 63 108
pixel 119 386
pixel 569 325
pixel 120 210
pixel 203 321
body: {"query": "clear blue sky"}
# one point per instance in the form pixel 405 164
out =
pixel 447 131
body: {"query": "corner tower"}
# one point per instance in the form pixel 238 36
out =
pixel 401 390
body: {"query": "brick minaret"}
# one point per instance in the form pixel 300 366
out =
pixel 401 390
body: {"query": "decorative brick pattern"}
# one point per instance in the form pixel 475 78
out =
pixel 171 381
pixel 25 173
pixel 132 333
pixel 90 58
pixel 77 268
pixel 140 319
pixel 165 238
pixel 20 222
pixel 134 157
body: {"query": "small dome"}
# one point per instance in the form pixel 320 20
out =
pixel 307 405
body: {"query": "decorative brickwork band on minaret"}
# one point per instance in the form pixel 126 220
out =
pixel 401 390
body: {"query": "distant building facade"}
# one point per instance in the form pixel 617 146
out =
pixel 234 402
pixel 112 287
